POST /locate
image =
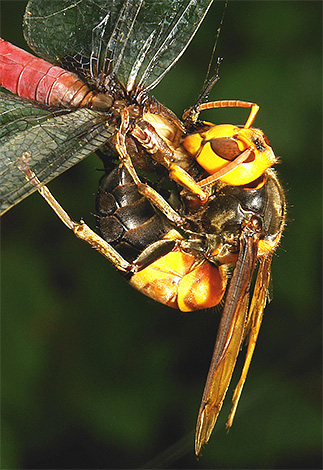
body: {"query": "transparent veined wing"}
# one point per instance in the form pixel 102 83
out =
pixel 138 40
pixel 55 141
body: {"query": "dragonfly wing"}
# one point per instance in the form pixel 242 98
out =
pixel 157 38
pixel 54 141
pixel 139 40
pixel 60 31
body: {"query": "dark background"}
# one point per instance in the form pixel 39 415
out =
pixel 95 375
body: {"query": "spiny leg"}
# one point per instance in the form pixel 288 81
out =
pixel 81 230
pixel 147 136
pixel 144 189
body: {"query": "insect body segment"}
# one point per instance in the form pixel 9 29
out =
pixel 33 78
pixel 231 154
pixel 218 145
pixel 181 281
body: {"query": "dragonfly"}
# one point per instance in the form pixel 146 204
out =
pixel 190 247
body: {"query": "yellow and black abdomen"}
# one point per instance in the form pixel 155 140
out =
pixel 125 218
pixel 166 271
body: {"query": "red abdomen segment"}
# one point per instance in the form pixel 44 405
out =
pixel 179 281
pixel 30 77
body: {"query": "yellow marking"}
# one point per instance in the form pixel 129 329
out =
pixel 180 176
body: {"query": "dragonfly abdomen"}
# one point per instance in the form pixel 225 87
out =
pixel 33 78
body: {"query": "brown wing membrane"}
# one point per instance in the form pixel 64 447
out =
pixel 229 338
pixel 257 307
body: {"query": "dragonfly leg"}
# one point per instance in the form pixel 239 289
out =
pixel 147 136
pixel 80 229
pixel 147 191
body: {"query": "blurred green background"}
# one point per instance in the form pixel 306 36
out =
pixel 95 375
